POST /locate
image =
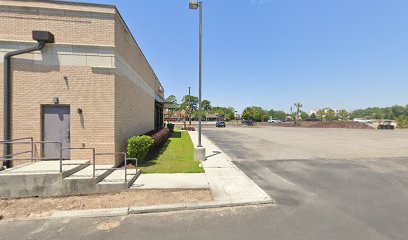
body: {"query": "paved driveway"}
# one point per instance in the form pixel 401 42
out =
pixel 319 195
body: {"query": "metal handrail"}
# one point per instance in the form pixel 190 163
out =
pixel 48 142
pixel 16 139
pixel 19 153
pixel 94 154
pixel 136 165
pixel 81 148
pixel 9 157
pixel 115 153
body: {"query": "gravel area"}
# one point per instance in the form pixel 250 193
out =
pixel 29 208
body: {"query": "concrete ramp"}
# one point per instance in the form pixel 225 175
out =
pixel 43 179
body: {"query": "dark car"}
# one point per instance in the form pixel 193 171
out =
pixel 220 124
pixel 247 122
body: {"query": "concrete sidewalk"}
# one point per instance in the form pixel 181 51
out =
pixel 171 181
pixel 227 182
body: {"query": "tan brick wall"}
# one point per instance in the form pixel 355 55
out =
pixel 116 106
pixel 128 49
pixel 36 85
pixel 134 111
pixel 81 28
pixel 98 8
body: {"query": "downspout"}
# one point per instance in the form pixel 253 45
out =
pixel 42 38
pixel 7 97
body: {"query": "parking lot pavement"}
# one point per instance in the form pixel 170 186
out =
pixel 319 194
pixel 279 143
pixel 316 198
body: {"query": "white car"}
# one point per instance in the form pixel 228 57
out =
pixel 362 120
pixel 274 120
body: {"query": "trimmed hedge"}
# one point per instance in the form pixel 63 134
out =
pixel 160 137
pixel 148 146
pixel 139 146
pixel 170 126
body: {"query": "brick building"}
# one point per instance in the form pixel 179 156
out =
pixel 93 87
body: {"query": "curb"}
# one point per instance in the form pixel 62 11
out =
pixel 115 212
pixel 92 213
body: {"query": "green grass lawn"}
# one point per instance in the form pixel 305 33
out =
pixel 177 156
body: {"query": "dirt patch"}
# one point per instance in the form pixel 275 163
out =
pixel 339 124
pixel 328 124
pixel 26 208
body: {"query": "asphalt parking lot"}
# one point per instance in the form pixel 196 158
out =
pixel 327 184
pixel 280 143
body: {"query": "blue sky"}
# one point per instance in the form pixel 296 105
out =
pixel 344 54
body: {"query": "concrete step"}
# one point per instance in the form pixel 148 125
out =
pixel 48 167
pixel 117 177
pixel 87 173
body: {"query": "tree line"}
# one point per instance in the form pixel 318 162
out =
pixel 258 114
pixel 189 105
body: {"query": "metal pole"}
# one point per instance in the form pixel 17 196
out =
pixel 60 157
pixel 6 111
pixel 93 164
pixel 189 104
pixel 125 168
pixel 200 74
pixel 32 149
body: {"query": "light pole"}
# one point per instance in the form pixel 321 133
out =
pixel 199 5
pixel 189 105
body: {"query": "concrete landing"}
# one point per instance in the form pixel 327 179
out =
pixel 172 181
pixel 87 173
pixel 45 167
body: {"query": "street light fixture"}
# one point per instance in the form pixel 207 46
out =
pixel 194 4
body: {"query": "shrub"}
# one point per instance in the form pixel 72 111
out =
pixel 189 128
pixel 170 126
pixel 160 137
pixel 139 146
pixel 402 122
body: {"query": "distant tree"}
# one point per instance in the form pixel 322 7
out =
pixel 228 112
pixel 277 114
pixel 330 113
pixel 343 114
pixel 171 99
pixel 189 104
pixel 304 115
pixel 255 113
pixel 298 107
pixel 398 111
pixel 402 122
pixel 313 116
pixel 206 105
pixel 321 113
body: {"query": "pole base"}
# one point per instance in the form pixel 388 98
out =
pixel 199 154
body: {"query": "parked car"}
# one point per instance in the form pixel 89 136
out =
pixel 386 124
pixel 362 120
pixel 274 120
pixel 247 122
pixel 220 124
